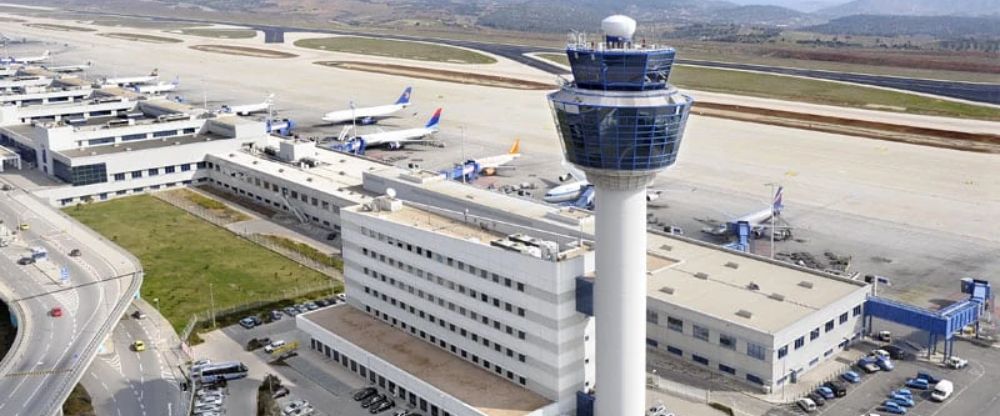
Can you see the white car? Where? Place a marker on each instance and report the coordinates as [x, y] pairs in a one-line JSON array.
[[880, 353], [658, 410], [208, 401], [274, 345], [957, 362], [294, 406]]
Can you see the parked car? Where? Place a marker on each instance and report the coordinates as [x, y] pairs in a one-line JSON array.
[[138, 346], [302, 308], [75, 252], [931, 379], [884, 336], [291, 311], [851, 377], [957, 362], [322, 303], [896, 353], [816, 398], [364, 393], [879, 353], [658, 410], [868, 365], [311, 306], [247, 322], [381, 407], [293, 406], [342, 297], [826, 392], [885, 363], [24, 261], [280, 392], [892, 407], [806, 405], [209, 401], [903, 391], [138, 314], [275, 315], [274, 345], [942, 390], [56, 312], [917, 383], [902, 399], [373, 400], [839, 389]]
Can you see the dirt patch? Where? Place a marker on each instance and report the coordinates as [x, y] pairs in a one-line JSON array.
[[140, 38], [61, 28], [441, 75], [983, 143], [244, 51]]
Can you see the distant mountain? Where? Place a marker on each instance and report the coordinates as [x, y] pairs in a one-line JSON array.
[[762, 15], [807, 6], [915, 8], [943, 27]]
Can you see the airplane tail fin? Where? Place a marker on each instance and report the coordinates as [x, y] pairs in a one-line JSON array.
[[405, 97], [47, 53], [777, 205], [515, 148], [270, 99], [435, 120], [177, 80], [155, 73]]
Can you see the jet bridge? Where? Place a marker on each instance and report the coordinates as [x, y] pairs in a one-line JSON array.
[[940, 325]]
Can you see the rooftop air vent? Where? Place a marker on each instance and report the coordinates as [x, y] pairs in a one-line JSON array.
[[743, 313], [701, 275], [667, 289], [753, 286], [732, 265], [281, 170], [666, 247], [805, 284], [778, 297], [309, 179]]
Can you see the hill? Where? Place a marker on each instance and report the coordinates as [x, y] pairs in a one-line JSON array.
[[941, 27], [915, 8], [762, 15]]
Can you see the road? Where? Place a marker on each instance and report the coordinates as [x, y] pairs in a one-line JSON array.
[[126, 382], [971, 91], [51, 354]]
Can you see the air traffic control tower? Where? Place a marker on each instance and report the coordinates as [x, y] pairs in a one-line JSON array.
[[621, 123]]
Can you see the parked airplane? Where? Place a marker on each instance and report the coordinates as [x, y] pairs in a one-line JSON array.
[[25, 60], [485, 166], [247, 109], [69, 68], [579, 192], [369, 115], [122, 81], [157, 88], [397, 139], [758, 220]]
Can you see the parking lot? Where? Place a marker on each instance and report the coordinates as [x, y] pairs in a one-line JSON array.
[[867, 396]]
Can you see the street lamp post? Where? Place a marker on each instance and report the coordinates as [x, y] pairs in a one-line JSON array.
[[211, 296]]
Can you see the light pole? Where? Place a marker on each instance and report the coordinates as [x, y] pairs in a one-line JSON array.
[[774, 213], [211, 297], [462, 172]]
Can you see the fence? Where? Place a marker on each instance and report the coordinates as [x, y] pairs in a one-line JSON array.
[[656, 382], [213, 217]]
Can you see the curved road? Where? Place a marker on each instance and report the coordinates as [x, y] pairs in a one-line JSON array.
[[51, 354]]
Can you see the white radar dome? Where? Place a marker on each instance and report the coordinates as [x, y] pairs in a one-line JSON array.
[[619, 26]]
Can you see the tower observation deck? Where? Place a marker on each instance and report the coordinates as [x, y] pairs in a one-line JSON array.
[[621, 122]]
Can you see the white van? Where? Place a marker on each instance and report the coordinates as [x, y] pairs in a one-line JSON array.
[[806, 404], [942, 390]]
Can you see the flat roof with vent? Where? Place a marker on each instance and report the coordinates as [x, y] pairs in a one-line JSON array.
[[742, 289]]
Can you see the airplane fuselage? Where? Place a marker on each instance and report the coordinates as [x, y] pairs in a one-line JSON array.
[[344, 116]]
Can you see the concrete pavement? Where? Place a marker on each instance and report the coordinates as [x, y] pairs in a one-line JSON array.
[[50, 354]]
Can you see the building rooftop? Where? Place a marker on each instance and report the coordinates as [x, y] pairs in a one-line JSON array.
[[481, 389], [721, 283], [139, 145], [429, 221]]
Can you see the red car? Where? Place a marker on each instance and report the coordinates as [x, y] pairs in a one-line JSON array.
[[56, 312]]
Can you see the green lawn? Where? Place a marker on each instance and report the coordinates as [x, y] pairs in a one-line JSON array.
[[812, 91], [139, 23], [182, 255], [396, 49], [220, 33]]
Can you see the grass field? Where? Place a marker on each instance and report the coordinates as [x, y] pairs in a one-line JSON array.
[[396, 49], [306, 250], [220, 33], [139, 23], [812, 91], [63, 28], [140, 38], [182, 255]]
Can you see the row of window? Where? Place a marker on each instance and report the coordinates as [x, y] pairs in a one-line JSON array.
[[705, 361], [274, 187], [133, 137], [136, 174], [375, 378], [703, 333], [438, 280], [454, 349], [420, 251], [427, 316], [815, 333], [122, 192], [276, 204]]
